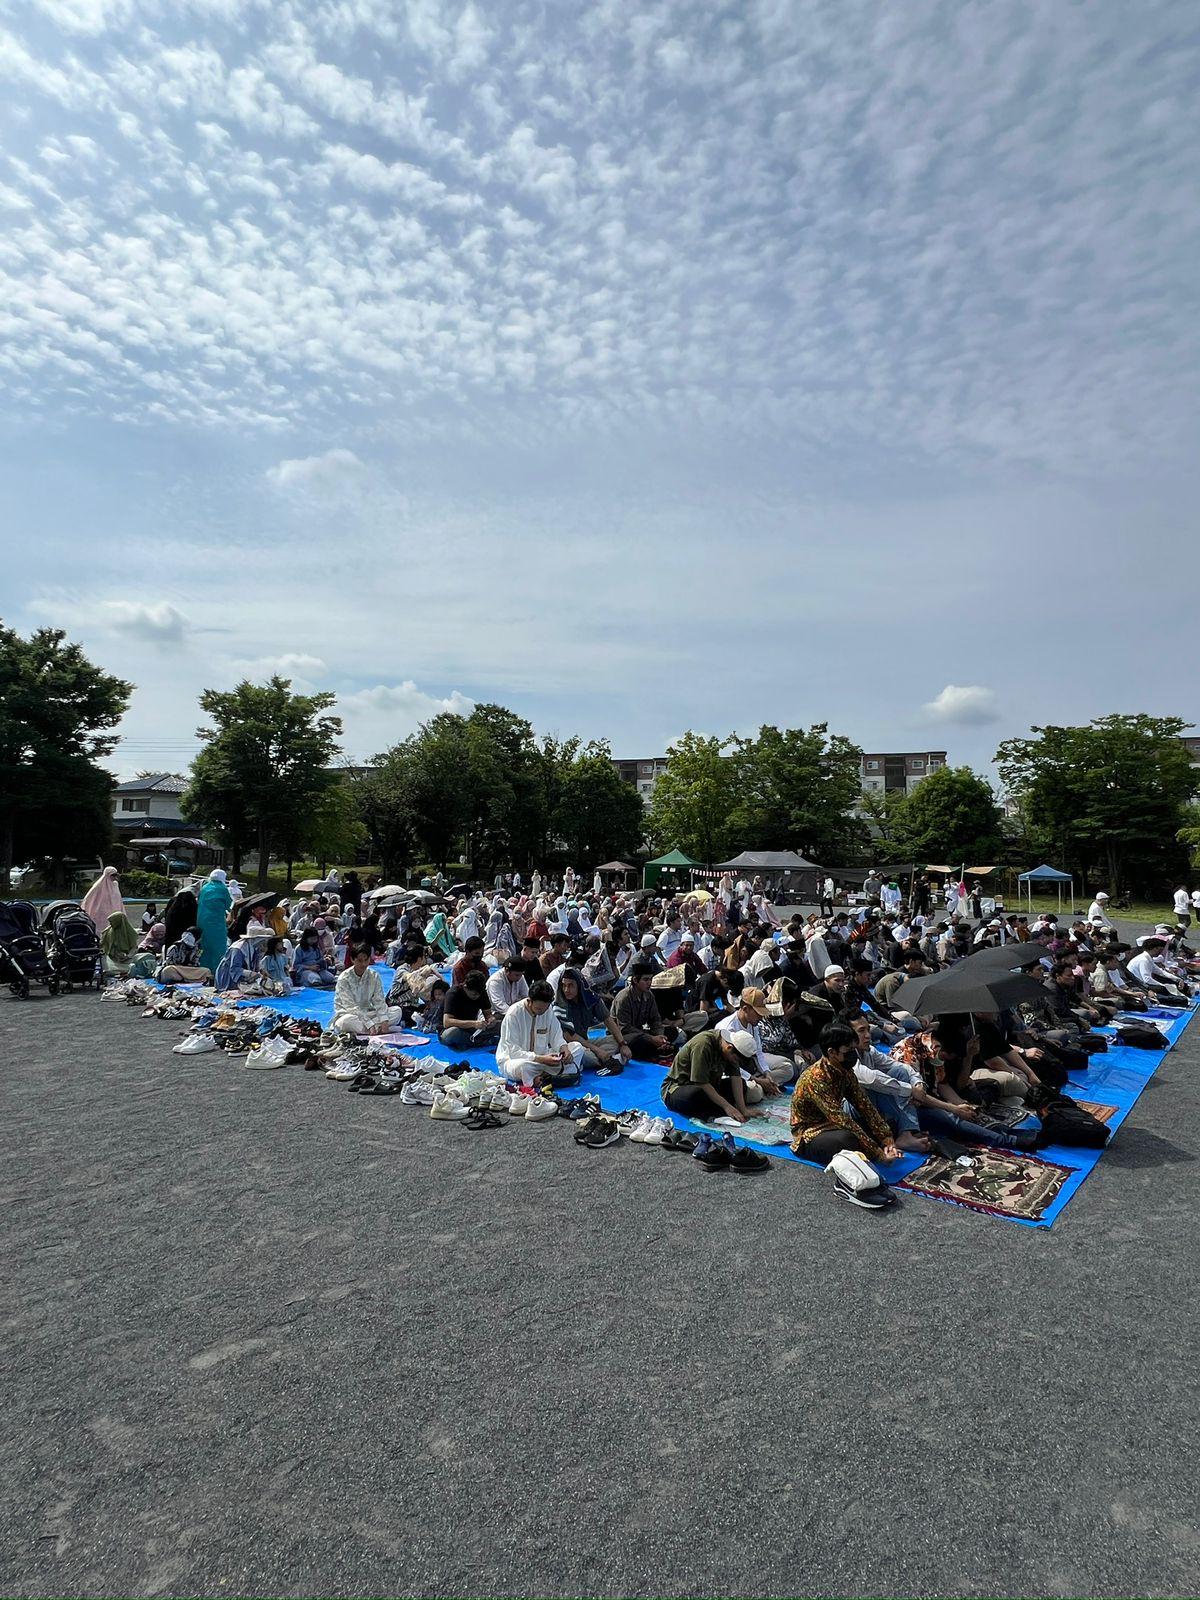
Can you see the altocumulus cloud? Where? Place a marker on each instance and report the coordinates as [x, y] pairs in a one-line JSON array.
[[970, 705]]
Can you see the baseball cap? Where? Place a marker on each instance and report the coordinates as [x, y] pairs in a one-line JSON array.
[[743, 1042], [756, 1000]]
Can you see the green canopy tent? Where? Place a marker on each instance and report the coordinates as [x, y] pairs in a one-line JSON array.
[[674, 869]]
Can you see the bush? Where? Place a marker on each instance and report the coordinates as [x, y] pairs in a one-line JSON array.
[[137, 885]]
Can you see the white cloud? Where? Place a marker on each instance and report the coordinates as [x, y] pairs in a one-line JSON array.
[[156, 623], [971, 706], [379, 716], [321, 472], [305, 671]]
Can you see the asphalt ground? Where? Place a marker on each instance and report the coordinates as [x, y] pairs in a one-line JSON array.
[[264, 1337]]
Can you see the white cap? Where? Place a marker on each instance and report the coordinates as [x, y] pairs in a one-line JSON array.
[[743, 1042], [648, 941], [1100, 895], [835, 972]]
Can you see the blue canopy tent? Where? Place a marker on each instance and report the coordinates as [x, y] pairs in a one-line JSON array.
[[1045, 874]]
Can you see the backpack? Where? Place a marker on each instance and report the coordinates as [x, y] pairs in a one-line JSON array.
[[1142, 1038], [1064, 1122]]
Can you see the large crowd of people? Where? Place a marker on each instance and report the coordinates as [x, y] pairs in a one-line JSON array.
[[737, 1006]]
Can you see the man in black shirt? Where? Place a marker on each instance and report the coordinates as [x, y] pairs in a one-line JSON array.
[[468, 1021]]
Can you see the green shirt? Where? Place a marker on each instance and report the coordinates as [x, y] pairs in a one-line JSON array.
[[701, 1060]]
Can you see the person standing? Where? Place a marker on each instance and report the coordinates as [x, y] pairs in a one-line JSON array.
[[212, 910], [827, 897], [1183, 907]]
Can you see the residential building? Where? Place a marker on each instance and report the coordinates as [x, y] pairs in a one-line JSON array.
[[899, 771], [151, 805], [643, 773], [1192, 745]]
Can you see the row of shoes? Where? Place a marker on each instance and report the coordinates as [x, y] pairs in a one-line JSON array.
[[595, 1130]]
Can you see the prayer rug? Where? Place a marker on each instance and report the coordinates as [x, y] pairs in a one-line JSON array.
[[772, 1125], [1020, 1187], [1101, 1113]]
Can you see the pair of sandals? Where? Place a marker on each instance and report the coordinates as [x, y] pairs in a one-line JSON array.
[[480, 1121]]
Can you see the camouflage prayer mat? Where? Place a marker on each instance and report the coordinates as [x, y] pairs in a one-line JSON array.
[[1001, 1185]]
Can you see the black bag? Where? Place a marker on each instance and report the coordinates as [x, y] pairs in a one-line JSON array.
[[1064, 1122], [1142, 1038], [1094, 1044]]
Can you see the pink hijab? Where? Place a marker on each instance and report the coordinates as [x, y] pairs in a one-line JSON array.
[[103, 898]]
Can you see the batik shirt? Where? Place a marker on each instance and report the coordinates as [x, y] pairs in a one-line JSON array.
[[819, 1103]]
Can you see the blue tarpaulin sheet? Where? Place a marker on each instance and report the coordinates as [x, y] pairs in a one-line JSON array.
[[1114, 1079]]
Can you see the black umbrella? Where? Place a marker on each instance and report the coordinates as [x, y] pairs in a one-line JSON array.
[[967, 986], [240, 914], [425, 897], [1004, 957]]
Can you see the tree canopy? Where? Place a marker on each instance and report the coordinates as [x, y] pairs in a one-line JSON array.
[[951, 816], [1107, 799], [57, 713], [264, 773], [693, 801]]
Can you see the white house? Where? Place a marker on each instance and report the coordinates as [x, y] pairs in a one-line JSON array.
[[151, 805]]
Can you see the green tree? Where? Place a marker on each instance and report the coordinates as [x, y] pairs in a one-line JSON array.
[[265, 765], [1108, 798], [440, 784], [952, 816], [796, 790], [599, 815], [878, 810], [694, 798], [57, 713], [383, 797], [329, 831]]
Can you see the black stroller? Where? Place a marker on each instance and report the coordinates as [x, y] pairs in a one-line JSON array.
[[23, 958], [72, 943]]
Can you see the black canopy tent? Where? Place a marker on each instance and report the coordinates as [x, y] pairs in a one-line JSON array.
[[800, 878]]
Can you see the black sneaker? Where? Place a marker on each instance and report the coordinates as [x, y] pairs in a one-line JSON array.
[[604, 1131], [747, 1162], [877, 1199]]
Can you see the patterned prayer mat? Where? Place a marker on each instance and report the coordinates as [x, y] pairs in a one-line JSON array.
[[1000, 1185], [772, 1126], [1101, 1113]]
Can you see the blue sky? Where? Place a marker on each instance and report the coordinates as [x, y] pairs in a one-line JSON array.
[[641, 366]]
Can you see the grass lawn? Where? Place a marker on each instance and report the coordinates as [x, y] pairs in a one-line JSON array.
[[1139, 911]]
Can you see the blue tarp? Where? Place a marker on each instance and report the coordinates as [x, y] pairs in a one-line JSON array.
[[1114, 1079]]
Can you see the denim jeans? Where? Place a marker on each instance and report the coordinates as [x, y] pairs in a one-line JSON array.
[[939, 1121]]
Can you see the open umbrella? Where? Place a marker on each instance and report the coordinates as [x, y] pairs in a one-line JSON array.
[[425, 897], [1006, 957], [966, 986], [309, 886], [384, 892], [252, 902]]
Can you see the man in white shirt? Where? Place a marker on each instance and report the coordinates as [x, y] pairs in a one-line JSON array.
[[358, 1000], [1146, 968], [768, 1072], [1098, 916], [507, 985], [1183, 907], [531, 1038], [668, 939]]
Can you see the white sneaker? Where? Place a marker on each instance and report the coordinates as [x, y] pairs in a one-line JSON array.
[[655, 1133], [446, 1108], [540, 1108], [194, 1045], [341, 1074], [518, 1104], [418, 1093], [637, 1134], [264, 1060]]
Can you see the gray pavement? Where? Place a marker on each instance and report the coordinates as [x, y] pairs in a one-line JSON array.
[[262, 1337]]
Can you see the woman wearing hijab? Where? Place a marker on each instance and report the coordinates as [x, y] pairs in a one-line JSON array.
[[467, 926], [103, 898], [154, 938], [439, 937], [498, 941], [212, 910], [242, 958], [118, 944], [179, 915]]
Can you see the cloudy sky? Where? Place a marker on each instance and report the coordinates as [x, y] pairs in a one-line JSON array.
[[639, 364]]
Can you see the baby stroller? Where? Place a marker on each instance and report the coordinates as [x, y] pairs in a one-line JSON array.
[[23, 958], [72, 945]]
